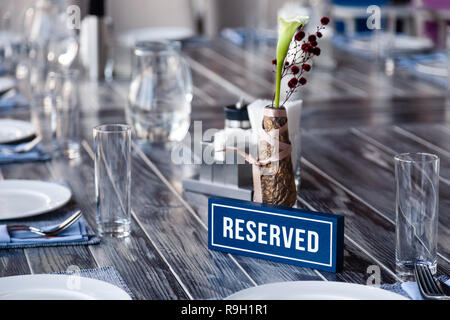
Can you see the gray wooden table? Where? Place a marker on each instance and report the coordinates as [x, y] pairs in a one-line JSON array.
[[352, 127]]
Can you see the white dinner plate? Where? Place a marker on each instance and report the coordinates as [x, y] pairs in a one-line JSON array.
[[14, 130], [25, 198], [314, 290], [129, 38], [58, 287]]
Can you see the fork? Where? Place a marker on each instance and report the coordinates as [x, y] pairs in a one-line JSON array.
[[22, 148], [52, 232], [429, 287]]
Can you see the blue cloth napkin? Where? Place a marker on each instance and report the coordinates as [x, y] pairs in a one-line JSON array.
[[436, 59], [78, 234], [36, 154], [108, 274], [409, 289], [359, 44], [242, 36], [9, 102], [194, 41], [344, 43]]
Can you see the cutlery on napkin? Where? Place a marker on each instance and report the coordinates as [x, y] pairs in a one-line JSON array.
[[11, 153], [77, 232], [412, 289]]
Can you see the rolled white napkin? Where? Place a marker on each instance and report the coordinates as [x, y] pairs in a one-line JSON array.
[[294, 109]]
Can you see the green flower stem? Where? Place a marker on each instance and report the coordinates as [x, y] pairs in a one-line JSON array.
[[285, 34]]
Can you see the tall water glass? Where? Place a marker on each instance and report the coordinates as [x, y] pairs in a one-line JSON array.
[[112, 145], [38, 68], [67, 136], [417, 207], [43, 118]]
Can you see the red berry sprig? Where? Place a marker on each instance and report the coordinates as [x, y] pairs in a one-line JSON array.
[[324, 21], [300, 52]]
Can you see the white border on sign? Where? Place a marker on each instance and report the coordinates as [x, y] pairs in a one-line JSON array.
[[270, 254]]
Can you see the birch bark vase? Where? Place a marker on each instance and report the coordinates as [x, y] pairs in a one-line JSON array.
[[276, 178]]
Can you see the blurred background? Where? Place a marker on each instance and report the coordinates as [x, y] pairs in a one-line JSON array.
[[223, 41], [422, 24]]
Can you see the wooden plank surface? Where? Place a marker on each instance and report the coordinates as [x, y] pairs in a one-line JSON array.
[[178, 237], [361, 167], [135, 257]]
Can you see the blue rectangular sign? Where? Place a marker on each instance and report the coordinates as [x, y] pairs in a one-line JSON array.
[[301, 237]]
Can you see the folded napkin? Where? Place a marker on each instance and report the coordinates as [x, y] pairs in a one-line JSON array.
[[194, 41], [108, 274], [430, 67], [409, 289], [78, 234], [38, 153], [8, 101], [242, 36], [364, 44], [345, 43]]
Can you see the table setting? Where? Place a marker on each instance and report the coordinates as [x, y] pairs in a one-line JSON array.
[[16, 145], [238, 166], [23, 203]]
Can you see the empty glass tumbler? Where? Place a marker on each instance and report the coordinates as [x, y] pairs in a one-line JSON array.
[[112, 146], [417, 207], [160, 93], [67, 114], [43, 108], [55, 113]]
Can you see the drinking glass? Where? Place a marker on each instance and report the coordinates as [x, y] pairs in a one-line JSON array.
[[43, 105], [45, 24], [9, 39], [67, 113], [160, 93], [43, 118], [417, 203], [112, 145], [38, 69]]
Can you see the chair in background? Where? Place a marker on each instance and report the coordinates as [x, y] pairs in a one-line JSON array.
[[434, 19]]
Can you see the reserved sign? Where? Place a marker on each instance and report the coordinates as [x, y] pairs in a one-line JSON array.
[[301, 237]]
